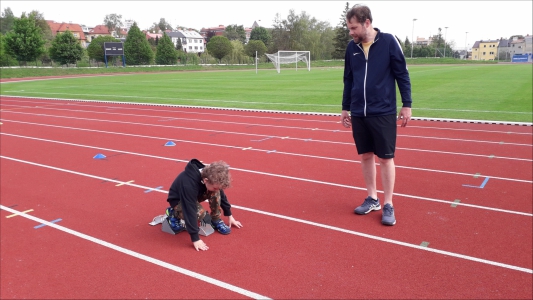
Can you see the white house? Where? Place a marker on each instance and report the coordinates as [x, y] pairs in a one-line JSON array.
[[191, 41]]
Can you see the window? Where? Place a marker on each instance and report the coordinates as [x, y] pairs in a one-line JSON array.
[[190, 47], [484, 53], [195, 47], [491, 53], [484, 46]]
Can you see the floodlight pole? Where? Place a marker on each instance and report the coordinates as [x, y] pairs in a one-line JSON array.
[[466, 49], [445, 33], [412, 38]]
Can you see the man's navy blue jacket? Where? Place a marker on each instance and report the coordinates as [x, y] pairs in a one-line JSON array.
[[369, 84]]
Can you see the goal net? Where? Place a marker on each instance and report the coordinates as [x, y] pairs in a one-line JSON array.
[[290, 57]]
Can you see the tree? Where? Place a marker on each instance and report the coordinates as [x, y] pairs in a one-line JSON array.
[[136, 47], [164, 25], [113, 22], [261, 34], [342, 35], [6, 20], [518, 36], [96, 48], [406, 47], [219, 46], [209, 35], [166, 54], [66, 49], [253, 46], [25, 42], [237, 55], [5, 59], [302, 33], [280, 35], [234, 32], [40, 22], [179, 45]]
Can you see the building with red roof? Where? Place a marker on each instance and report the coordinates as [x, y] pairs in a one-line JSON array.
[[76, 30]]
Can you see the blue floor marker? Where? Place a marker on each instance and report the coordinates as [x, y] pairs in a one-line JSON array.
[[42, 225], [157, 188], [170, 143], [478, 187], [99, 156]]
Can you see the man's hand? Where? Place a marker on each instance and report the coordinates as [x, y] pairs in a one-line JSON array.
[[232, 221], [200, 245], [405, 115], [346, 120]]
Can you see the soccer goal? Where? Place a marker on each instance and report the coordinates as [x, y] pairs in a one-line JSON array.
[[290, 57]]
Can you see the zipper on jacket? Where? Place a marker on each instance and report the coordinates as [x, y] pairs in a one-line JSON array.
[[366, 69]]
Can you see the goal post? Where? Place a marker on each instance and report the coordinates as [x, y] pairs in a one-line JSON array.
[[290, 57]]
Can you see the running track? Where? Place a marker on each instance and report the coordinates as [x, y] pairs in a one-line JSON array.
[[463, 200]]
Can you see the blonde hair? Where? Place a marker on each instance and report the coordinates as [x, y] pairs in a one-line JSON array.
[[217, 173]]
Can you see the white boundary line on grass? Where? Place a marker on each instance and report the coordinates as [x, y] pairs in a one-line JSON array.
[[391, 241], [140, 256], [275, 111]]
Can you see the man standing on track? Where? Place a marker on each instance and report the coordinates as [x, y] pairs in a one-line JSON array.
[[369, 103]]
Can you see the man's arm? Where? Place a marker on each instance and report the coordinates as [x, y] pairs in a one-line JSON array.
[[348, 81], [401, 73]]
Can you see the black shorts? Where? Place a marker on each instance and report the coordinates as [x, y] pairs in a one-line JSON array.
[[375, 134]]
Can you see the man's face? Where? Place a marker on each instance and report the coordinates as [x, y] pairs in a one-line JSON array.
[[211, 187], [358, 31]]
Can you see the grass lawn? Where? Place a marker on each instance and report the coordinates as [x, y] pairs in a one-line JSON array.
[[499, 92]]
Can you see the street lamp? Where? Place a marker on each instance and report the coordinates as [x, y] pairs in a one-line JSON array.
[[445, 33], [466, 49], [412, 37]]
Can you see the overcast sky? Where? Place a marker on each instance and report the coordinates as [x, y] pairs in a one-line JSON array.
[[482, 20]]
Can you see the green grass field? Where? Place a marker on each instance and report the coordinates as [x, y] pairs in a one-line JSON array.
[[499, 92]]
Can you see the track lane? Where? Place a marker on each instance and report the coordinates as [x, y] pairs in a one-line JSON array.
[[309, 276], [310, 197]]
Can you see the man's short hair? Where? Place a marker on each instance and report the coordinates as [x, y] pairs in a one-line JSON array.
[[361, 13], [217, 173]]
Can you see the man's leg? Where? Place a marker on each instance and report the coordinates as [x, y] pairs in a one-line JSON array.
[[388, 175], [369, 173], [368, 165]]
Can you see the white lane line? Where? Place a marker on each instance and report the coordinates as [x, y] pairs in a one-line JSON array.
[[247, 134], [263, 150], [181, 99], [140, 256], [270, 126], [292, 178], [471, 258], [123, 106], [177, 111], [267, 110]]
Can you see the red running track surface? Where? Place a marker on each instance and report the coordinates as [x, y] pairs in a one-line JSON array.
[[297, 179]]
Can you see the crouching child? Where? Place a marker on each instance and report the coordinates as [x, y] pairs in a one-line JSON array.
[[195, 184]]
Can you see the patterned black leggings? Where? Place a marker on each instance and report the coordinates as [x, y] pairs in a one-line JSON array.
[[214, 206]]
